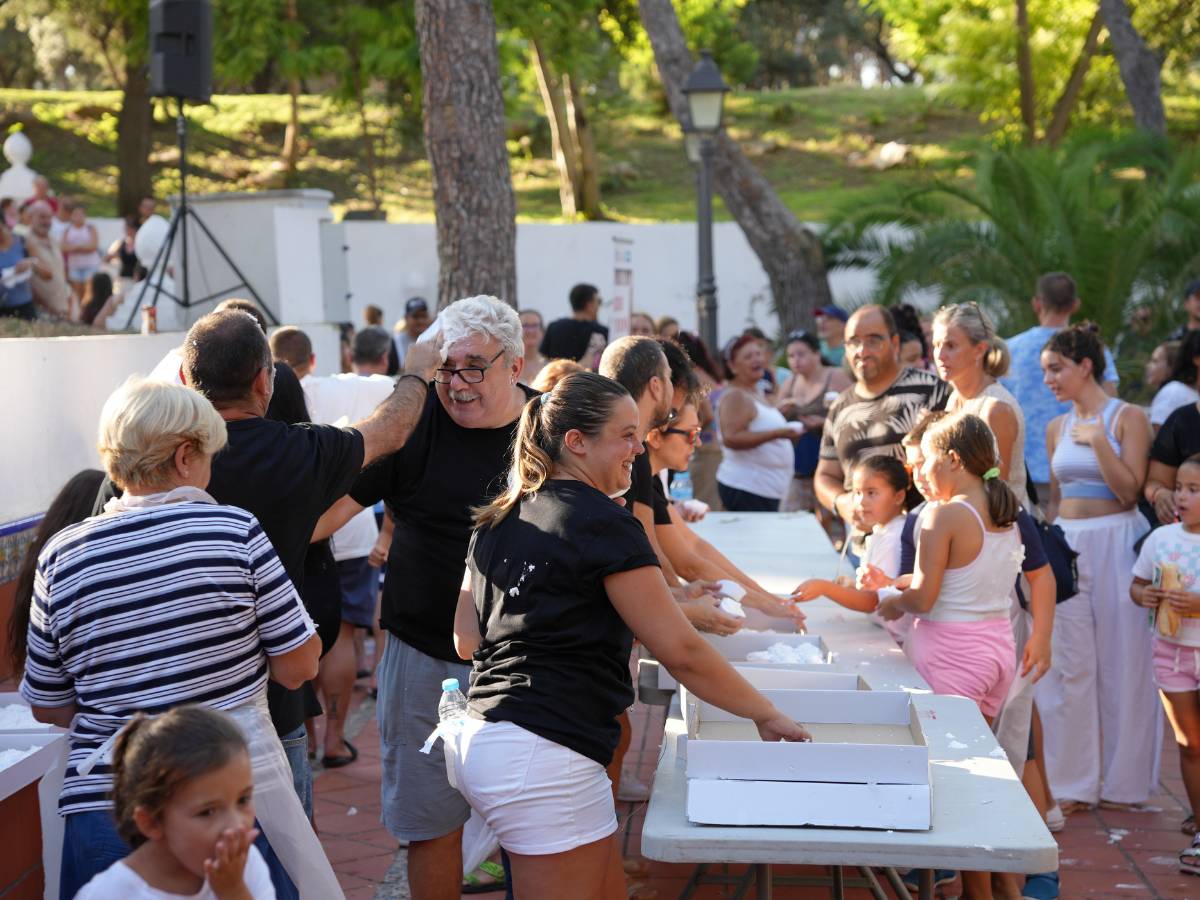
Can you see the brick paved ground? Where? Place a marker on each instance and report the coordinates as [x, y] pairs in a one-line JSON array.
[[1104, 854]]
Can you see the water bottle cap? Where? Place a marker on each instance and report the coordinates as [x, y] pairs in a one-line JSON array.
[[450, 684]]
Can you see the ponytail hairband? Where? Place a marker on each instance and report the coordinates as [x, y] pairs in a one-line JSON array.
[[991, 473]]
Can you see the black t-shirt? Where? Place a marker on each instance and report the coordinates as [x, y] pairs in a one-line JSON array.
[[430, 485], [662, 506], [555, 653], [641, 489], [287, 475], [568, 338], [1178, 438]]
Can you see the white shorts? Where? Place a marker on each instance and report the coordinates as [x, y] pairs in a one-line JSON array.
[[537, 796]]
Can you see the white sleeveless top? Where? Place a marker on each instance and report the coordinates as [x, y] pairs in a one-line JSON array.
[[767, 469], [982, 588], [1016, 469]]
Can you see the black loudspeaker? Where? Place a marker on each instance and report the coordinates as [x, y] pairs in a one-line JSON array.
[[181, 49]]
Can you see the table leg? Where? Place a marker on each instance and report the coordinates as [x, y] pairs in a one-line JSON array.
[[897, 883], [762, 881], [838, 883], [872, 883], [926, 891]]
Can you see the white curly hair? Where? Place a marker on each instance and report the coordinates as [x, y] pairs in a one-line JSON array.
[[484, 315]]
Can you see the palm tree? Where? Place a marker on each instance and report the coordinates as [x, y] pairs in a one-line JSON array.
[[1121, 217]]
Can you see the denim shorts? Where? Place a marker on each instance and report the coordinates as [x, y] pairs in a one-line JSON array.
[[295, 747]]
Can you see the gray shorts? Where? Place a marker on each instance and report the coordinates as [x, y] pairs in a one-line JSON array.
[[418, 802]]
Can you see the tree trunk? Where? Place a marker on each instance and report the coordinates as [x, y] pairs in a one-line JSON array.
[[561, 143], [1025, 73], [291, 135], [589, 166], [133, 140], [1140, 68], [364, 128], [789, 252], [1061, 117], [464, 140]]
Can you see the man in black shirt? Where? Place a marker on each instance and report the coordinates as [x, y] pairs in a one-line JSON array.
[[456, 459], [571, 338], [286, 475]]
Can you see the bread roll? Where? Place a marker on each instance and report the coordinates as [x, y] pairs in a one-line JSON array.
[[1167, 618]]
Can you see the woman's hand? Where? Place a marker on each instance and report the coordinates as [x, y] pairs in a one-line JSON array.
[[705, 616], [772, 606], [1036, 657], [1164, 505], [810, 590], [812, 423], [778, 727], [1087, 432], [789, 434], [227, 866], [378, 556], [695, 590]]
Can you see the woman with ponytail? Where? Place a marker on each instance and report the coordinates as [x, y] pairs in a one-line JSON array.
[[562, 579], [1102, 726], [969, 554], [971, 357]]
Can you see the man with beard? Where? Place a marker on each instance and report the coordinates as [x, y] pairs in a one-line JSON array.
[[872, 416]]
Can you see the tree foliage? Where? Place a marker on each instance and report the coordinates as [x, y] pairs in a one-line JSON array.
[[1122, 218]]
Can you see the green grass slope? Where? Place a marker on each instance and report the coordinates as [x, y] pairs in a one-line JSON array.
[[816, 146]]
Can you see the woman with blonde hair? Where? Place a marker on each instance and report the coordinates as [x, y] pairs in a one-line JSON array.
[[971, 357], [562, 579], [167, 598]]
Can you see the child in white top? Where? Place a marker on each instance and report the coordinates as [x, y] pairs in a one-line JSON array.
[[1166, 579], [880, 484], [183, 797]]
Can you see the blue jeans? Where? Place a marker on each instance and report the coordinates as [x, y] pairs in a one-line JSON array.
[[91, 844], [295, 746]]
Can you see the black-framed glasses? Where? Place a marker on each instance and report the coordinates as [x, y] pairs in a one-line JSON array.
[[692, 434], [469, 374]]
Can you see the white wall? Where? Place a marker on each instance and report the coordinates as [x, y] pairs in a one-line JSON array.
[[387, 263], [55, 388]]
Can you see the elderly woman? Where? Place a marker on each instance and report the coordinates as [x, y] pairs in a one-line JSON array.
[[562, 579], [759, 444], [165, 599]]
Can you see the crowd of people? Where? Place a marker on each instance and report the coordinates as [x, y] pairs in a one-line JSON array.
[[52, 265], [993, 497]]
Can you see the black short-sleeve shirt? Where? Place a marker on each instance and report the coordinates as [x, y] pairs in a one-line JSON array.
[[1178, 438], [642, 488], [430, 486], [555, 653], [662, 506], [569, 338]]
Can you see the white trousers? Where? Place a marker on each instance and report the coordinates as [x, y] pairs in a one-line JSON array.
[[1098, 703]]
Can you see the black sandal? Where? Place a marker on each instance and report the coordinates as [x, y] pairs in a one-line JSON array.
[[336, 762], [1188, 826]]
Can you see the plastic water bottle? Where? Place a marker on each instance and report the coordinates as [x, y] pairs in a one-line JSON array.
[[452, 708], [681, 487]]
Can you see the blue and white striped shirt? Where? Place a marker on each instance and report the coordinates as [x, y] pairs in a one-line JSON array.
[[149, 608]]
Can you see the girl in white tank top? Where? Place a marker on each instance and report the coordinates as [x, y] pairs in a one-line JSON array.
[[969, 553]]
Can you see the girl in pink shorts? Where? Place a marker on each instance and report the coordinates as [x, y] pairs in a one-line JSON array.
[[968, 555], [1166, 579]]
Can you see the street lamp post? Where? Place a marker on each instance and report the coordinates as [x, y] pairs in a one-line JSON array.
[[705, 90]]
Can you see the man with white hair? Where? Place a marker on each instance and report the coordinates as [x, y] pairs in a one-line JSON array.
[[455, 459], [50, 288]]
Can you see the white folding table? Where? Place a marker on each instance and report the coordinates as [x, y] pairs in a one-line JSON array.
[[982, 818]]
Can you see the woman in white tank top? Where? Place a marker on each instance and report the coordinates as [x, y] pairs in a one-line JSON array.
[[759, 458], [971, 356]]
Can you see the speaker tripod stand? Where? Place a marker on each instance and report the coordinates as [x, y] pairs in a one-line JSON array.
[[178, 228]]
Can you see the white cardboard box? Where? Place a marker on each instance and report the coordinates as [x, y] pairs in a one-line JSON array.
[[868, 766], [735, 648]]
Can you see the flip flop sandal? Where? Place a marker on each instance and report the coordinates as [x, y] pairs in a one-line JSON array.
[[493, 879], [336, 762], [1188, 825], [1189, 859]]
